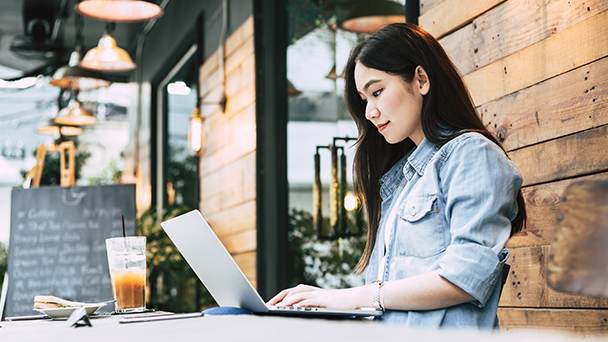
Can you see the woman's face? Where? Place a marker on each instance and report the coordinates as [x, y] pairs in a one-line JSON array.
[[392, 105]]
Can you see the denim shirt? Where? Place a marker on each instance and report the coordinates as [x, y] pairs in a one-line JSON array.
[[455, 217]]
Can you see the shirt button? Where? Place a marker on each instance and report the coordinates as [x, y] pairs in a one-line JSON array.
[[413, 211]]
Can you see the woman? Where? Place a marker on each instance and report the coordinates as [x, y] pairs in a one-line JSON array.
[[441, 195]]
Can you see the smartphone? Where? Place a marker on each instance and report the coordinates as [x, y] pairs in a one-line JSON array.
[[162, 317]]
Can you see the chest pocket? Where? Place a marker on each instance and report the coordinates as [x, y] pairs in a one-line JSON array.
[[420, 230]]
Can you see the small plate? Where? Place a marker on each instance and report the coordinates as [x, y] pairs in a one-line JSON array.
[[66, 312]]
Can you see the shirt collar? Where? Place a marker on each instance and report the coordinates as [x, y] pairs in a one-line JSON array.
[[421, 157]]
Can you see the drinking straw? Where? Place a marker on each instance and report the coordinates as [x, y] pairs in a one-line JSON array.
[[124, 234]]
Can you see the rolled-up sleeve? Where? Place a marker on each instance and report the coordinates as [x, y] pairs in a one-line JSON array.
[[480, 185]]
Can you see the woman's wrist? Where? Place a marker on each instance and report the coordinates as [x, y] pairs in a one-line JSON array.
[[382, 288]]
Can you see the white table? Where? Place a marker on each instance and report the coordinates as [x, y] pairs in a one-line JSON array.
[[252, 328]]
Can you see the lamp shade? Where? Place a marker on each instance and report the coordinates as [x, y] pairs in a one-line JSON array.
[[107, 57], [119, 11], [53, 128], [74, 115], [372, 15], [73, 77]]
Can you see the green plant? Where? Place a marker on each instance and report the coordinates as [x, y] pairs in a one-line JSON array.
[[173, 285], [323, 263], [109, 175], [3, 262]]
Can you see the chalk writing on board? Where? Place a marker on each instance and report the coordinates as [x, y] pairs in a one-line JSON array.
[[57, 243]]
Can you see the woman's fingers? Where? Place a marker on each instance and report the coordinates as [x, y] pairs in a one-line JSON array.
[[279, 297], [287, 293]]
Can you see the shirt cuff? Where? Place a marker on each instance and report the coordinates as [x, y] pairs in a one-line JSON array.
[[473, 268]]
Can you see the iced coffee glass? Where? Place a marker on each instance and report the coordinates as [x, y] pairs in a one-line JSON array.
[[127, 261]]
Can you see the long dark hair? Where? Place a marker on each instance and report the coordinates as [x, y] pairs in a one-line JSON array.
[[398, 49]]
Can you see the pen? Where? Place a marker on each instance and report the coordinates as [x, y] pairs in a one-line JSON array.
[[24, 318]]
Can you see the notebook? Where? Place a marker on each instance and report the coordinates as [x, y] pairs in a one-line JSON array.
[[225, 281]]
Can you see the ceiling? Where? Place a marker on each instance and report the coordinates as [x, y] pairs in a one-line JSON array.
[[28, 46]]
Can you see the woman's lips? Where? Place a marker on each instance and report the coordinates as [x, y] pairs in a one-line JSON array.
[[381, 127]]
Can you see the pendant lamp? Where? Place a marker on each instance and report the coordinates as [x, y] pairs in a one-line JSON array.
[[119, 11], [53, 128], [332, 74], [74, 115], [196, 136], [73, 77], [107, 57], [370, 16]]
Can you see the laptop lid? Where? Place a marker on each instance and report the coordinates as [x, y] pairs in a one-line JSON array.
[[223, 278]]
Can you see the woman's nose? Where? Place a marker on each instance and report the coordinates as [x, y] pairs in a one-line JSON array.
[[371, 112]]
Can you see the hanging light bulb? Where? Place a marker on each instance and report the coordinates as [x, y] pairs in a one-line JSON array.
[[119, 11], [372, 15], [196, 138], [107, 57], [74, 115]]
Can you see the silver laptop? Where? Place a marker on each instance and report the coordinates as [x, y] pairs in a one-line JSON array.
[[223, 278]]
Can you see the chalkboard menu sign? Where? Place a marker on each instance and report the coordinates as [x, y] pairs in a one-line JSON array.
[[57, 243]]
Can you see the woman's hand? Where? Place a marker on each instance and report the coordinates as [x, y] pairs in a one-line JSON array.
[[304, 295]]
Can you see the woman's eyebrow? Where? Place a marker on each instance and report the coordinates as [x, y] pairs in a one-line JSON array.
[[369, 83]]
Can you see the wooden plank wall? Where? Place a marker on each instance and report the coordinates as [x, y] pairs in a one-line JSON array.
[[537, 70], [228, 190]]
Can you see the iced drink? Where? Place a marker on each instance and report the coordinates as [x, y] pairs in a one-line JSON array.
[[127, 261]]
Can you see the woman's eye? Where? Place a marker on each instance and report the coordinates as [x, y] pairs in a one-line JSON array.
[[377, 93], [364, 102]]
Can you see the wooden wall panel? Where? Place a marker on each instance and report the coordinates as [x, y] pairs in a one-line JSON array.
[[548, 58], [426, 5], [233, 220], [585, 323], [514, 25], [230, 186], [526, 285], [570, 156], [227, 168], [450, 15], [241, 242], [537, 70], [247, 263], [566, 104], [229, 138], [542, 204]]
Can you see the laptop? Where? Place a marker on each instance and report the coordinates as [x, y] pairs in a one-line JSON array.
[[225, 281]]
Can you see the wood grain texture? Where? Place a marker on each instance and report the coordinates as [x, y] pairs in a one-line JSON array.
[[426, 5], [514, 25], [247, 262], [582, 322], [233, 65], [227, 168], [238, 38], [229, 138], [542, 206], [569, 103], [459, 45], [578, 45], [570, 156], [244, 241], [232, 220], [527, 287], [578, 262], [230, 186], [450, 15]]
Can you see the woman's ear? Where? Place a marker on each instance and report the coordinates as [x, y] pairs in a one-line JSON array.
[[421, 76]]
